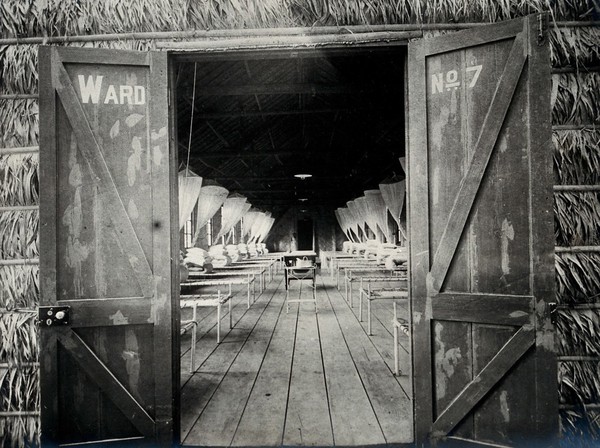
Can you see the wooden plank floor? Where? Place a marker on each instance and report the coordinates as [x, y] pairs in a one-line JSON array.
[[296, 378]]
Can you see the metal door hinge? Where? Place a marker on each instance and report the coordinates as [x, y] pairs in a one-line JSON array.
[[553, 311], [52, 316], [542, 28]]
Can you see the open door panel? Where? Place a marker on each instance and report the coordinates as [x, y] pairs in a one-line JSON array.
[[106, 313], [481, 233]]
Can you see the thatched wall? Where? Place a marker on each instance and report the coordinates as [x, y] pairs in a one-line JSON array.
[[576, 136]]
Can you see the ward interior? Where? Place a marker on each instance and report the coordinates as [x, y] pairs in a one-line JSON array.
[[293, 159]]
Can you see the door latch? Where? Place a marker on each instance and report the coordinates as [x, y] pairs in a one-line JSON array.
[[553, 310], [52, 316]]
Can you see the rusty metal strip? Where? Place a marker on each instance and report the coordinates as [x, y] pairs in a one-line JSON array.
[[489, 376], [105, 379], [88, 144], [482, 153]]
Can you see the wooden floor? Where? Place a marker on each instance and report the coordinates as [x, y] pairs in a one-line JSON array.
[[296, 378]]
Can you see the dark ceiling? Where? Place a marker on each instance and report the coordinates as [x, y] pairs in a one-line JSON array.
[[259, 119]]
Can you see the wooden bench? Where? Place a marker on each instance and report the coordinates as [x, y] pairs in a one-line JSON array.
[[378, 294], [194, 301]]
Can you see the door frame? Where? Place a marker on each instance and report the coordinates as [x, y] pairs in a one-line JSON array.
[[289, 51]]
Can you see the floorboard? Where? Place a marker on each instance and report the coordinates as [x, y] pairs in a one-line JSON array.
[[200, 388], [296, 378], [263, 420], [307, 418], [391, 404], [218, 421], [345, 388]]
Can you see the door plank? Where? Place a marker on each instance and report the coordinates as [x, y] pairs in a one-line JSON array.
[[455, 41], [512, 351], [481, 155], [87, 142], [109, 312], [48, 259], [483, 308], [104, 378], [542, 220]]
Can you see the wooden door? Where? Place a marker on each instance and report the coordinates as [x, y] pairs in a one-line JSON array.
[[106, 243], [481, 235]]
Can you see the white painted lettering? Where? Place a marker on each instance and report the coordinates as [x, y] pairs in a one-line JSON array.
[[126, 93], [477, 70], [437, 83], [90, 89], [111, 95], [139, 96], [452, 80]]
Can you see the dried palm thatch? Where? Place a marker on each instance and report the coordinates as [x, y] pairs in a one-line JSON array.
[[576, 156], [577, 159], [576, 97], [576, 218], [575, 46], [577, 277], [19, 180], [19, 287], [19, 390], [19, 123], [19, 234]]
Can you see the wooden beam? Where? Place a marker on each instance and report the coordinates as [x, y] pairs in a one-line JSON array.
[[295, 89], [278, 41], [19, 96], [309, 31], [20, 150], [261, 113], [576, 188], [218, 134]]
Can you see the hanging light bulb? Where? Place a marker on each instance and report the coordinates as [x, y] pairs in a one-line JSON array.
[[303, 176]]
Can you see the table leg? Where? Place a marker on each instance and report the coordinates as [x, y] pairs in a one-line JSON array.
[[350, 292], [360, 302], [396, 366], [218, 323], [369, 315]]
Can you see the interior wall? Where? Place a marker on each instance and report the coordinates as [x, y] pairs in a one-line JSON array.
[[284, 237]]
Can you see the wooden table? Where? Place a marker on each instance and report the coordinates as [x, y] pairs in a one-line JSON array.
[[295, 273], [289, 259]]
